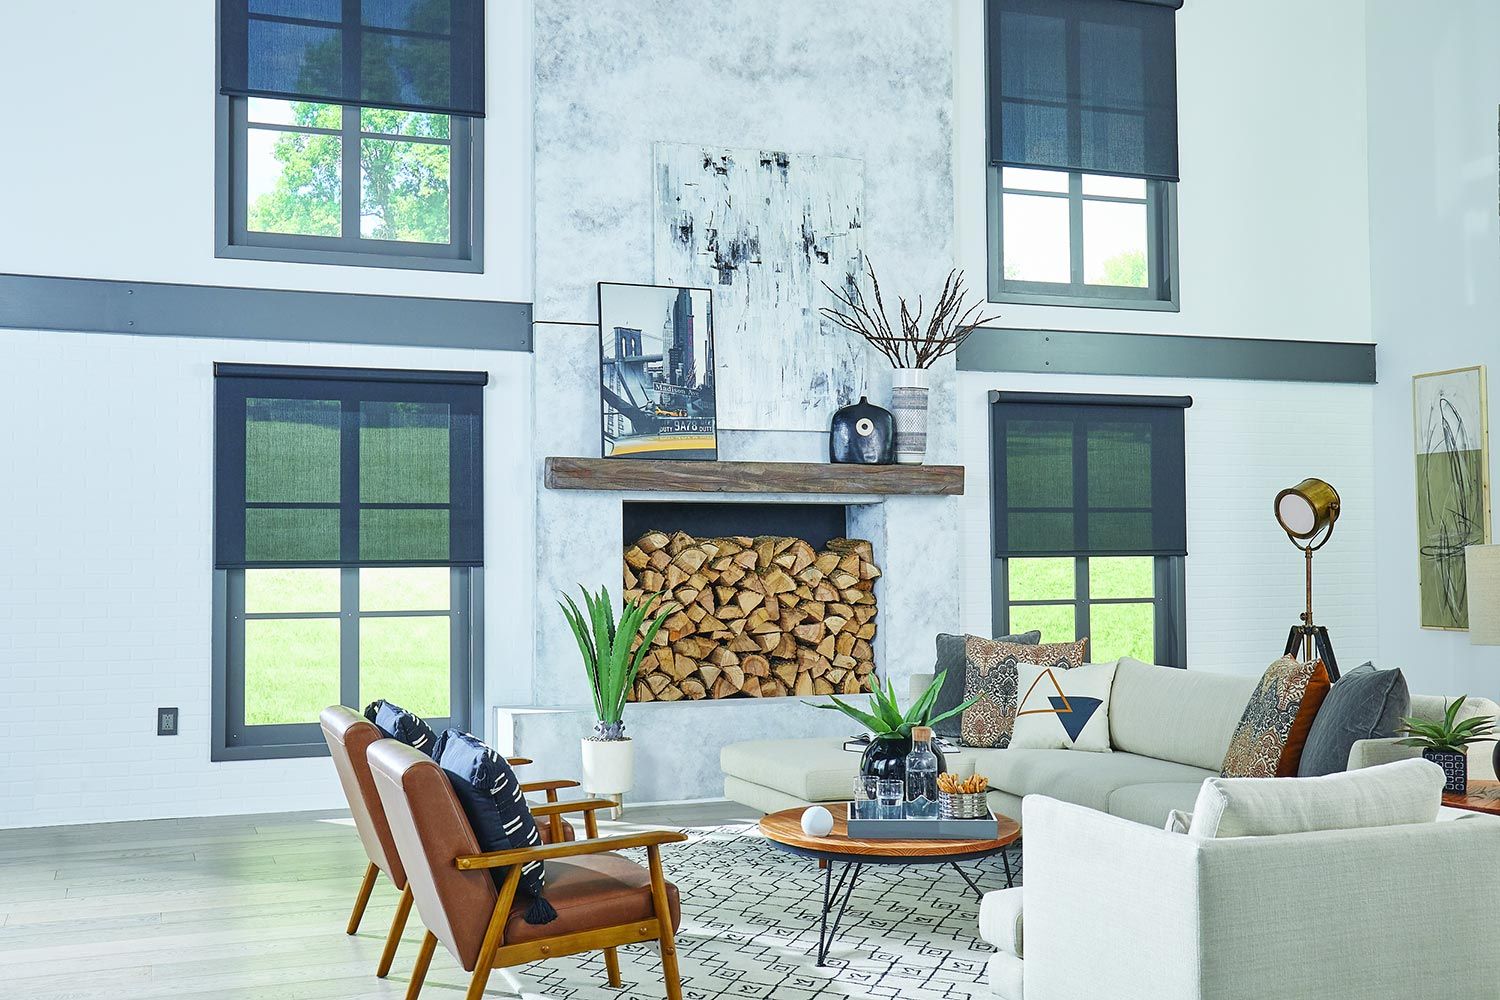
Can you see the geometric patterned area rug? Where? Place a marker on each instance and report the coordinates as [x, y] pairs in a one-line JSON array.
[[750, 931]]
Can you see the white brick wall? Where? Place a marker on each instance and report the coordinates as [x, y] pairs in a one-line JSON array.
[[1245, 441], [106, 520]]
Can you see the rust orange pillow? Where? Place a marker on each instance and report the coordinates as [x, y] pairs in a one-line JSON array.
[[1269, 739]]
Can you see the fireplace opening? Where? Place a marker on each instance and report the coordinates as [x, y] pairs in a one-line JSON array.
[[770, 600], [814, 523]]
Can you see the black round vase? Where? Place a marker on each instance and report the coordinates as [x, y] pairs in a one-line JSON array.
[[862, 434], [885, 757]]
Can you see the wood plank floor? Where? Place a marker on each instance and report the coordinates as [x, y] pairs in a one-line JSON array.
[[241, 907]]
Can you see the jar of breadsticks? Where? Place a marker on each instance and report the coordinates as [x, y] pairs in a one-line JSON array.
[[963, 798]]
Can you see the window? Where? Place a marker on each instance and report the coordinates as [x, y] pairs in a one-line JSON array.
[[1089, 519], [348, 541], [1083, 152], [350, 132], [1095, 238]]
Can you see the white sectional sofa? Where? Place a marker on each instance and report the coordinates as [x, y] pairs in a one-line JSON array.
[[1116, 909], [1169, 729]]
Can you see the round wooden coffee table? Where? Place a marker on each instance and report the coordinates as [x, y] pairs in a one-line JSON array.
[[784, 829]]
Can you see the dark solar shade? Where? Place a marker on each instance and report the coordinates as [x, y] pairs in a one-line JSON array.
[[347, 467], [1086, 85], [1088, 475], [412, 55]]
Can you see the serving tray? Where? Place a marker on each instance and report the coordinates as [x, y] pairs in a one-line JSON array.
[[937, 828]]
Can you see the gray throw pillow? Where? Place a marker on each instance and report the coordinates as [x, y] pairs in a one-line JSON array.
[[1364, 704], [951, 658]]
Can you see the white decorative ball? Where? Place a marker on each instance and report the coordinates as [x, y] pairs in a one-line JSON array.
[[817, 822]]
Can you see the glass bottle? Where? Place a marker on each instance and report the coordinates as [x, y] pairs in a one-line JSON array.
[[921, 776]]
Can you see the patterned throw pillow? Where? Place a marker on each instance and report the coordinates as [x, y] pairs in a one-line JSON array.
[[1063, 709], [951, 657], [399, 724], [492, 799], [1269, 739], [990, 669]]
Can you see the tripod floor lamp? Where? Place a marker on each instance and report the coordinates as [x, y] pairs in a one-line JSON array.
[[1307, 513]]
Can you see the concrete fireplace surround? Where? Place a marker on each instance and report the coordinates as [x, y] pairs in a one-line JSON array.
[[880, 91], [678, 743]]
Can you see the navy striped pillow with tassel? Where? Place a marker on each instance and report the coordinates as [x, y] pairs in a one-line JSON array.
[[399, 724], [492, 799]]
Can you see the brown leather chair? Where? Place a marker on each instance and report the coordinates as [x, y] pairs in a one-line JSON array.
[[349, 735], [603, 900]]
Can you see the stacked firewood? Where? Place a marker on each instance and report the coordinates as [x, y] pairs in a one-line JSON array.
[[755, 617]]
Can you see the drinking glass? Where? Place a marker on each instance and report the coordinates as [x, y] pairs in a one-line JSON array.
[[866, 797], [892, 793]]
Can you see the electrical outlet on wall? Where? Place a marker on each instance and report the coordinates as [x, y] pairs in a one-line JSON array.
[[166, 722]]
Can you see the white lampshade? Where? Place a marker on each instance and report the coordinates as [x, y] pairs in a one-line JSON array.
[[1482, 567]]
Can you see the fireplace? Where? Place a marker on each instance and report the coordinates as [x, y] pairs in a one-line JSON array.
[[771, 599]]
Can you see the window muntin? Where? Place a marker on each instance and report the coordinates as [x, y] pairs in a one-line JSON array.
[[318, 182], [299, 639], [1059, 235], [1112, 600]]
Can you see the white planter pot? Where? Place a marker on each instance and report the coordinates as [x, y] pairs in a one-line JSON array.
[[909, 406], [608, 766]]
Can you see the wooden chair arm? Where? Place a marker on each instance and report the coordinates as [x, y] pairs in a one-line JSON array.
[[517, 761], [569, 849], [548, 786], [571, 806]]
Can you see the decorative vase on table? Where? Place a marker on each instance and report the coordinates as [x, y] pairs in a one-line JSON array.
[[885, 757], [909, 405], [1455, 765]]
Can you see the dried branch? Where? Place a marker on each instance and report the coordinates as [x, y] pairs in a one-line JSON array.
[[917, 345]]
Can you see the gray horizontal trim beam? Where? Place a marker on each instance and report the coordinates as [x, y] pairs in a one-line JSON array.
[[92, 305], [1083, 352]]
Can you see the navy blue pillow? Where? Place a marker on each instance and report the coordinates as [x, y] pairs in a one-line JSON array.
[[399, 724], [497, 810]]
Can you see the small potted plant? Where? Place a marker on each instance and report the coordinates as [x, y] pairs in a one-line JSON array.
[[1445, 742], [891, 728], [611, 657]]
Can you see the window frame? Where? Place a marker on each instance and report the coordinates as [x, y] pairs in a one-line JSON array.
[[1161, 292], [233, 239], [234, 740], [1168, 600]]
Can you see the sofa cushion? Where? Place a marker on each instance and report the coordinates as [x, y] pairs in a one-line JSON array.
[[951, 657], [813, 770], [1083, 778], [1408, 791], [1000, 924], [1366, 704], [1269, 739], [1153, 802], [1063, 709], [1186, 716], [990, 677]]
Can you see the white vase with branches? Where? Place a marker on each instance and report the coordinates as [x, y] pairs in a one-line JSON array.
[[912, 346]]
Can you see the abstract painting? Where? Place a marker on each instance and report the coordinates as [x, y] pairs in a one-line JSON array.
[[656, 372], [766, 230], [1453, 488]]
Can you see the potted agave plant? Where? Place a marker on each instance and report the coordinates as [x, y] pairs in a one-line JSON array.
[[1445, 742], [611, 657], [891, 728]]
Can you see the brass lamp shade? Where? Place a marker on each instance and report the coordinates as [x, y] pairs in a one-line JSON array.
[[1482, 568], [1307, 508]]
